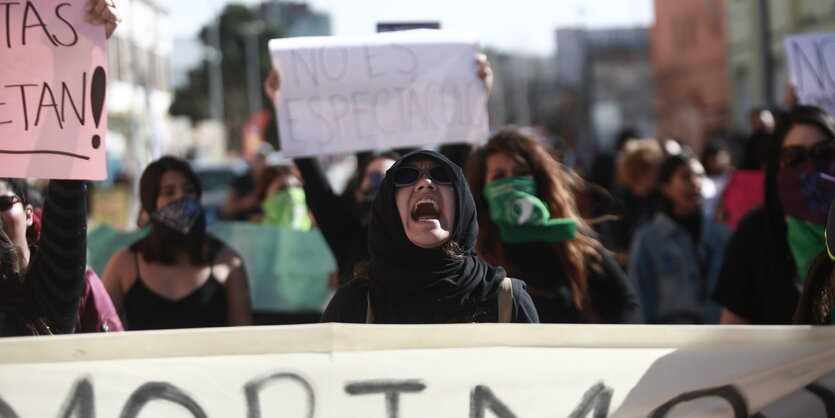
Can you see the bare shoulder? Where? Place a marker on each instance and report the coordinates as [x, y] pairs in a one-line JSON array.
[[228, 264], [122, 260]]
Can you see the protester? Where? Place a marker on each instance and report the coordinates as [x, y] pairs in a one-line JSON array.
[[242, 202], [95, 310], [636, 189], [530, 225], [422, 266], [676, 258], [818, 298], [774, 245], [760, 128], [178, 276], [283, 201]]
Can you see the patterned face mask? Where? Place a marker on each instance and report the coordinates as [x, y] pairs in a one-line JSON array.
[[179, 215], [520, 216]]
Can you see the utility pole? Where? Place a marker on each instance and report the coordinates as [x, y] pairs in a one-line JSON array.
[[765, 53], [250, 31]]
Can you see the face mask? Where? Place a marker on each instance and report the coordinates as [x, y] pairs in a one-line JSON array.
[[179, 215], [287, 208], [520, 216], [807, 192], [806, 240]]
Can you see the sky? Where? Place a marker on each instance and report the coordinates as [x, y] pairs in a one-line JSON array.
[[523, 26]]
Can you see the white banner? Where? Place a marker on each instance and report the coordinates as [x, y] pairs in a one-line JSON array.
[[812, 65], [465, 370], [387, 90]]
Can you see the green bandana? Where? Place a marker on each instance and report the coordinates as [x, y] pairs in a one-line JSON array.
[[520, 216], [806, 239], [287, 208]]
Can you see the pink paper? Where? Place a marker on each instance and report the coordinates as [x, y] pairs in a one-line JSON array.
[[53, 78]]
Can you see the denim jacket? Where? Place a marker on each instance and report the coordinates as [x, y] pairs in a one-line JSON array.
[[674, 276]]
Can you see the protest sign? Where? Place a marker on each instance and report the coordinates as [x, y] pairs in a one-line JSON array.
[[53, 79], [462, 370], [287, 269], [389, 90], [812, 66]]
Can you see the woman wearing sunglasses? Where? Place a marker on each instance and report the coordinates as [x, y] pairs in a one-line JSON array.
[[774, 245], [40, 291], [530, 225], [422, 266]]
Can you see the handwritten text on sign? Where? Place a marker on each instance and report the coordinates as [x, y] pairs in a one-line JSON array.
[[388, 90], [812, 63], [52, 89]]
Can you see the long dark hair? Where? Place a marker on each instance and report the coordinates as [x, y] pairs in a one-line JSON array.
[[818, 296], [554, 189], [15, 296], [780, 266], [667, 170], [163, 243]]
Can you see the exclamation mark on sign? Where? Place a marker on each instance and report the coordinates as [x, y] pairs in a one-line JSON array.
[[98, 88]]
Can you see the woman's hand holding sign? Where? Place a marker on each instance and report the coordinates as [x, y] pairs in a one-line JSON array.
[[103, 12]]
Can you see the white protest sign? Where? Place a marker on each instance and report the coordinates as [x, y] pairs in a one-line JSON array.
[[53, 79], [812, 66], [463, 370], [387, 90]]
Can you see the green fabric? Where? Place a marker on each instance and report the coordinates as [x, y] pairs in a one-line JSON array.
[[288, 269], [520, 216], [287, 208], [806, 239]]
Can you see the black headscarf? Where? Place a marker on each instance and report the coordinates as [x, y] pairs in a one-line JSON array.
[[429, 278]]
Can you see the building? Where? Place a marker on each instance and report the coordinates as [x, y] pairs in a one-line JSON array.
[[690, 70], [603, 85], [296, 19], [753, 82], [139, 90]]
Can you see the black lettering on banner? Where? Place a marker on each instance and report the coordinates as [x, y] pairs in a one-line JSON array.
[[254, 386], [3, 122], [825, 395], [379, 103], [74, 33], [482, 399], [358, 106], [369, 64], [314, 104], [6, 410], [800, 59], [597, 399], [8, 22], [23, 102], [51, 104], [309, 66], [324, 63], [164, 391], [411, 67], [391, 388], [287, 111], [65, 93], [80, 402], [26, 25], [728, 392], [340, 106], [452, 101]]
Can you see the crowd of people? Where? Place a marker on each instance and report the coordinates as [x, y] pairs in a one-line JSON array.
[[501, 231]]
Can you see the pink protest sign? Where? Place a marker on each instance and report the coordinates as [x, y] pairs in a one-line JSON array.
[[744, 191], [53, 77]]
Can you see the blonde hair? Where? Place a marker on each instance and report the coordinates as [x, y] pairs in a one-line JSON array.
[[639, 158]]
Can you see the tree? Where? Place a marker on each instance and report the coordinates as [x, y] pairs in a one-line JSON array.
[[192, 100]]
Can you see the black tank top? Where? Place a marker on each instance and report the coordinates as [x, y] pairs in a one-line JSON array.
[[205, 306]]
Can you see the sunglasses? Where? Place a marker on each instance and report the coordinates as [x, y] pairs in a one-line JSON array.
[[6, 202], [796, 156], [407, 176]]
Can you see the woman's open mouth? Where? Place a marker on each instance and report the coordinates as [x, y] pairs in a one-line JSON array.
[[426, 210]]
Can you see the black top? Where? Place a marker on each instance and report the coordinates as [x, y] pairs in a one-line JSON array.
[[205, 306], [337, 217], [350, 304], [746, 285], [612, 296], [692, 224], [243, 185], [56, 273]]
